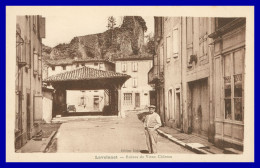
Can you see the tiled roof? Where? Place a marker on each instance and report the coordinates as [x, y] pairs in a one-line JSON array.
[[84, 73]]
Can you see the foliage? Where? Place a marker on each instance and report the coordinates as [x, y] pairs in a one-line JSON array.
[[111, 22], [150, 45]]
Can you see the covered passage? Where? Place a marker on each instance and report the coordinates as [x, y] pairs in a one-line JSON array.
[[86, 78]]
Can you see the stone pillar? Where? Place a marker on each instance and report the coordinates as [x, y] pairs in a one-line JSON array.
[[60, 101], [121, 112]]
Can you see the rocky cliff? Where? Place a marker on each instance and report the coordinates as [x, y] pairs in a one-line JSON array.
[[119, 42]]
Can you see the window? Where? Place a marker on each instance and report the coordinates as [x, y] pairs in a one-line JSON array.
[[27, 53], [20, 46], [134, 82], [35, 62], [64, 67], [82, 64], [203, 47], [34, 23], [127, 98], [189, 30], [168, 48], [189, 40], [161, 59], [40, 65], [95, 64], [233, 85], [124, 67], [134, 66], [175, 43], [53, 68], [77, 65]]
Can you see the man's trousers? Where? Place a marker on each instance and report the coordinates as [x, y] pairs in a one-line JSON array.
[[151, 140]]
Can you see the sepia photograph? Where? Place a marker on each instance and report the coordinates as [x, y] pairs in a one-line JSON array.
[[130, 86]]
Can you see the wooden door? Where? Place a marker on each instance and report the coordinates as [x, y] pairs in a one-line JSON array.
[[137, 99], [200, 107]]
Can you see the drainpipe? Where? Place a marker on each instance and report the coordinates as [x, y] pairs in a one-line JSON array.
[[181, 96], [31, 68]]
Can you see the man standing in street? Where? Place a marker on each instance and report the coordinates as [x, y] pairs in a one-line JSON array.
[[152, 122]]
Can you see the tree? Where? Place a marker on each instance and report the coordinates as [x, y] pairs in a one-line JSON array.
[[150, 45], [111, 22]]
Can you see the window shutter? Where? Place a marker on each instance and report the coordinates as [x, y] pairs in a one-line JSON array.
[[24, 52], [175, 42], [28, 49], [35, 62], [134, 82], [124, 69], [40, 65], [168, 48], [134, 66]]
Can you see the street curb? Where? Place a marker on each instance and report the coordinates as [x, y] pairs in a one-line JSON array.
[[178, 142], [48, 140]]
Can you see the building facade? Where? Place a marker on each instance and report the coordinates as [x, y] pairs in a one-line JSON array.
[[193, 99], [135, 93], [228, 61], [28, 84], [156, 73]]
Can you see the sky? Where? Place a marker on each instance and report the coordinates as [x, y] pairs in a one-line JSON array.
[[61, 28]]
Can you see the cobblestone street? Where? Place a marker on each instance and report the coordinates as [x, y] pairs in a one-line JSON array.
[[109, 135]]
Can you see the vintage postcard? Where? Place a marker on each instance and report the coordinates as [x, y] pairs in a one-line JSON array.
[[130, 84]]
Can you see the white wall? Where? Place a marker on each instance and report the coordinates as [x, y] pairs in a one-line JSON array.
[[142, 82], [47, 109], [74, 98]]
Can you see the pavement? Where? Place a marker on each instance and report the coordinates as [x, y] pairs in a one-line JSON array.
[[112, 134], [37, 146], [109, 135], [192, 142]]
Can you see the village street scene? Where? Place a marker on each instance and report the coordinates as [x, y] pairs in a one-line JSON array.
[[133, 84]]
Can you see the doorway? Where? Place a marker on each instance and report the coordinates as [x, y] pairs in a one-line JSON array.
[[200, 107], [137, 100], [178, 109], [28, 115], [171, 112], [153, 98], [96, 103]]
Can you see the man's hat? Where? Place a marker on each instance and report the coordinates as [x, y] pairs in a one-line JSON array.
[[152, 106]]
